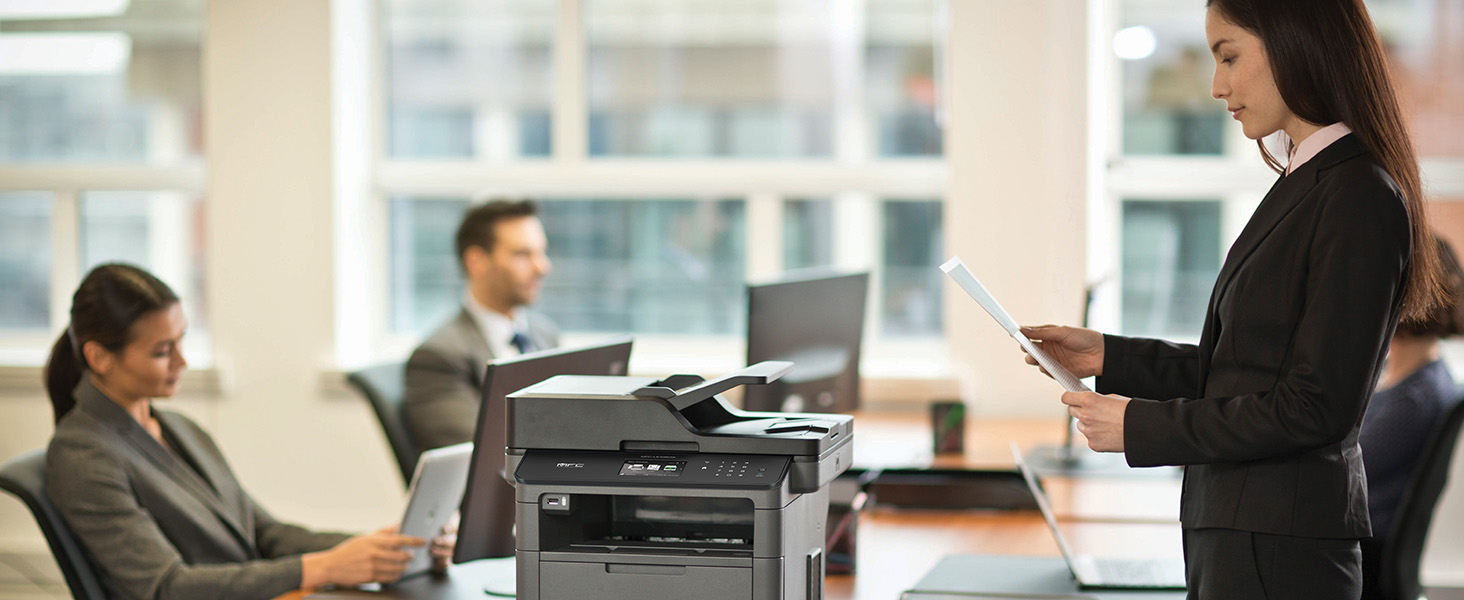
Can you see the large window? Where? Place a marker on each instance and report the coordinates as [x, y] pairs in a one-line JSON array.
[[101, 145], [678, 78], [1171, 256], [1183, 179], [468, 78], [679, 149], [25, 261], [661, 266]]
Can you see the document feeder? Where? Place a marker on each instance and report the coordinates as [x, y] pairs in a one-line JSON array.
[[632, 487]]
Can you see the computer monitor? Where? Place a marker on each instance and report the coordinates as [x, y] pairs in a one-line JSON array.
[[816, 321], [485, 525]]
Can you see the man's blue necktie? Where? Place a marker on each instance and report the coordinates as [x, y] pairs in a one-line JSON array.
[[522, 342]]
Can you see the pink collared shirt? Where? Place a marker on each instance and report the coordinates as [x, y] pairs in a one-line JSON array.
[[1315, 143]]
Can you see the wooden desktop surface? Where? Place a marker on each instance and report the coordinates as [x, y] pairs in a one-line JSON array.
[[1108, 516]]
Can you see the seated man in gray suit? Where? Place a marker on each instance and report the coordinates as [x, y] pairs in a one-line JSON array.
[[501, 247]]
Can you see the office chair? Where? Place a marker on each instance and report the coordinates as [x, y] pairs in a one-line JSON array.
[[25, 477], [383, 385], [1403, 550]]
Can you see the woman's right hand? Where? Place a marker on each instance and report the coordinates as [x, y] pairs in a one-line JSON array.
[[370, 558], [1078, 349]]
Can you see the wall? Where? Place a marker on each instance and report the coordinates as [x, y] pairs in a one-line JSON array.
[[1017, 158]]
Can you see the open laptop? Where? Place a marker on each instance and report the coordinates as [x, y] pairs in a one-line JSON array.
[[1104, 573], [433, 498]]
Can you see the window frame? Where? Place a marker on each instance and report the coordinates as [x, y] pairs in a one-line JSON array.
[[1237, 176], [67, 184], [857, 181]]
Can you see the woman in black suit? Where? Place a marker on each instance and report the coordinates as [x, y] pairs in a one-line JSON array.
[[146, 491], [1265, 410]]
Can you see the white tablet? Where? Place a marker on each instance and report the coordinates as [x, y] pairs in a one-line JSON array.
[[433, 498]]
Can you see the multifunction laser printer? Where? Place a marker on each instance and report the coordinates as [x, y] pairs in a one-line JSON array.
[[637, 488]]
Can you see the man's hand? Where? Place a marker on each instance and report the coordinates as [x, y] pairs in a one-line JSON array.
[[1100, 418]]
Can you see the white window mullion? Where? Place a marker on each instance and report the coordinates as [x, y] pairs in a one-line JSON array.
[[858, 245], [169, 238], [763, 235], [852, 137], [570, 120], [65, 253], [1443, 178], [1235, 211], [496, 132]]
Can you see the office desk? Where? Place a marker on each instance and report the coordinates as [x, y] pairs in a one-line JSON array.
[[1103, 516], [896, 548]]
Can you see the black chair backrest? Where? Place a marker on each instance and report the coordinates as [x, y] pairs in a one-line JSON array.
[[1403, 550], [383, 386], [25, 477]]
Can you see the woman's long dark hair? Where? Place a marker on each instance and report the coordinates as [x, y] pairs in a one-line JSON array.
[[1329, 66], [1447, 319], [109, 300]]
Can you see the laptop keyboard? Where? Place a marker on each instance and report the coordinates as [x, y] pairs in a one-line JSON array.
[[1138, 573]]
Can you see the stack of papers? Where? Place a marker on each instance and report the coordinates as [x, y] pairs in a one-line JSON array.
[[956, 270]]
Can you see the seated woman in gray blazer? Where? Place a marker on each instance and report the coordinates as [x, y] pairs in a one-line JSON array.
[[146, 491]]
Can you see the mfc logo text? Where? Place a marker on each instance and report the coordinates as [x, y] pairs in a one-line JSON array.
[[565, 465]]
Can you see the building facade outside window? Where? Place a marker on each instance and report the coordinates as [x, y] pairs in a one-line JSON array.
[[101, 143], [679, 150]]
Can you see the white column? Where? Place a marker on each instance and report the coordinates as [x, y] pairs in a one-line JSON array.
[[308, 455], [1015, 210]]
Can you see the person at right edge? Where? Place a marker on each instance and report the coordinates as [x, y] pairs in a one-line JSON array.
[[1265, 411], [1415, 393]]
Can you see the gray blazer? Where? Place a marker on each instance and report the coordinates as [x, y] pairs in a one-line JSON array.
[[166, 524], [444, 379]]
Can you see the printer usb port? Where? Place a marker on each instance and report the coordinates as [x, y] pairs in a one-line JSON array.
[[555, 503]]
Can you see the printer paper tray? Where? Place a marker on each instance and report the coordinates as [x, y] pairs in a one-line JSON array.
[[636, 581], [649, 556]]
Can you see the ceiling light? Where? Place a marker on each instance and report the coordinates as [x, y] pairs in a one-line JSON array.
[[1134, 43]]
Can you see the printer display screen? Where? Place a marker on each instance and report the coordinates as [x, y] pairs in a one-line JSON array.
[[652, 468]]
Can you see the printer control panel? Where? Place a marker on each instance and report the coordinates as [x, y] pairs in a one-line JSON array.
[[734, 468], [653, 468], [641, 467]]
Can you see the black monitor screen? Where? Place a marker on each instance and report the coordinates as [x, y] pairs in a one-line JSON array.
[[485, 528], [817, 323]]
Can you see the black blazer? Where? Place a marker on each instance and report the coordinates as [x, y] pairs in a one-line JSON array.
[[161, 524], [1266, 409]]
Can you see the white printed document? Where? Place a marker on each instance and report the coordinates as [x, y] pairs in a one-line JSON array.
[[956, 270]]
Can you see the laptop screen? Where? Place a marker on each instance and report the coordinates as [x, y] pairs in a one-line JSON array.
[[1044, 506]]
